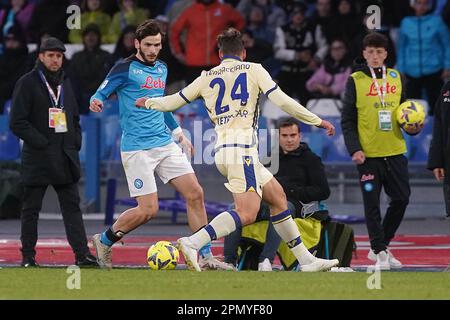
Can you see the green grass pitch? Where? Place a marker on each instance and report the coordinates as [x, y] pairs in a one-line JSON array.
[[51, 283]]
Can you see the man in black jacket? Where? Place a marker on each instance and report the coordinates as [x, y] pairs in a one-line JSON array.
[[439, 154], [44, 115], [302, 176]]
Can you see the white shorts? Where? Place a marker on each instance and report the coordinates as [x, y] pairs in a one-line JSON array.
[[168, 162]]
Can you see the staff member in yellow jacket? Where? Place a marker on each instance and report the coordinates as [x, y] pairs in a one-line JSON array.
[[376, 145]]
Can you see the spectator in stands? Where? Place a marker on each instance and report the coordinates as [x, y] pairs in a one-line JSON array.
[[294, 46], [176, 74], [13, 62], [19, 13], [125, 45], [329, 80], [302, 176], [439, 154], [375, 142], [50, 16], [324, 21], [257, 50], [90, 66], [347, 20], [129, 14], [177, 8], [424, 53], [275, 16], [52, 140], [256, 22], [200, 50], [92, 13]]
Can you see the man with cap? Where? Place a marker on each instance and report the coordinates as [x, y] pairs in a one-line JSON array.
[[44, 115]]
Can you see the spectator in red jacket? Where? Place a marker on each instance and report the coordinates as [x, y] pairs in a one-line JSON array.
[[202, 21]]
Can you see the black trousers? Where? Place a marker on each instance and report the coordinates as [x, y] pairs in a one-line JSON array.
[[392, 174], [432, 84], [447, 196], [69, 200]]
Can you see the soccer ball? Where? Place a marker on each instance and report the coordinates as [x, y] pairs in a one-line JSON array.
[[411, 117], [162, 256]]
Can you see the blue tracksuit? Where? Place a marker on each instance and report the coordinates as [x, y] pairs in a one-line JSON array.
[[132, 79], [423, 46]]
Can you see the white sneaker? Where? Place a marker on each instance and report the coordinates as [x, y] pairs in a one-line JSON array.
[[393, 262], [104, 252], [382, 261], [212, 263], [265, 265], [319, 265], [189, 253]]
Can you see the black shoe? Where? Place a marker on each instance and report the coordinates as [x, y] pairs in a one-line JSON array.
[[87, 261], [29, 262]]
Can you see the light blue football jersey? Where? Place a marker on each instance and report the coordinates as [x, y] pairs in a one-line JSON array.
[[142, 129]]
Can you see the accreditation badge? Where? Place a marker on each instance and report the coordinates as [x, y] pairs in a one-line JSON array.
[[60, 122], [385, 120], [51, 116]]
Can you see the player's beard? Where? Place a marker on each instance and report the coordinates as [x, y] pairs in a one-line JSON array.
[[142, 54]]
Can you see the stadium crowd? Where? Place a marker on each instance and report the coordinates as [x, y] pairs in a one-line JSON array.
[[308, 46]]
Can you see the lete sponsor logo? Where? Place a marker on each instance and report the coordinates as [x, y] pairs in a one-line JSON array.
[[389, 90], [150, 83], [367, 177]]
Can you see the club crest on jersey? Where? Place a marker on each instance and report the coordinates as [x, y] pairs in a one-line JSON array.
[[150, 83]]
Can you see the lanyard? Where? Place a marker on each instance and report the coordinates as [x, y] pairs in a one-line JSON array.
[[381, 93], [54, 99]]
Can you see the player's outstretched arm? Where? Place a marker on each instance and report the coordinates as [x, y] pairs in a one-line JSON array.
[[298, 111], [174, 101], [167, 103], [287, 104]]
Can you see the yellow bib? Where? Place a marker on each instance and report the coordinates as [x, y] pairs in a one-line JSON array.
[[376, 141]]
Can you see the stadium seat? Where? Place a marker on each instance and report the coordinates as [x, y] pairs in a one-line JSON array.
[[325, 107]]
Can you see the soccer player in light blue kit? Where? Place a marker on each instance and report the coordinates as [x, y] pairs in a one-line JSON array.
[[148, 147]]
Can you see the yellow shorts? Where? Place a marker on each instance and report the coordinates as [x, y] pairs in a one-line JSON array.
[[242, 169]]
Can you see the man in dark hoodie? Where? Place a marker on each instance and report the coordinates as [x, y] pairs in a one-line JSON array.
[[44, 115], [12, 62], [302, 176], [376, 144], [90, 66]]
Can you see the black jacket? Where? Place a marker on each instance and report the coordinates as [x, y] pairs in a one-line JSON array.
[[439, 154], [349, 119], [47, 157], [302, 176]]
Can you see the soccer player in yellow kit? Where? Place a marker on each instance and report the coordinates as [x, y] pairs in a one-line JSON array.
[[231, 92]]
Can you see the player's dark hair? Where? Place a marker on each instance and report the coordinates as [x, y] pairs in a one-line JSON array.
[[375, 40], [288, 122], [148, 28], [230, 42]]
